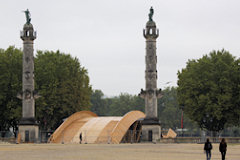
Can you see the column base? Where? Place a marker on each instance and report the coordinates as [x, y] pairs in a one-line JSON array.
[[28, 121], [28, 130], [151, 130]]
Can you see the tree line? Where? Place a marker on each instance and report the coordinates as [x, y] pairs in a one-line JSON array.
[[169, 111], [208, 92]]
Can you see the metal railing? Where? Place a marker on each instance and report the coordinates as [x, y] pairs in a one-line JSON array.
[[130, 137]]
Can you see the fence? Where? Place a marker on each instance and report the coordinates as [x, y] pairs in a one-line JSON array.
[[7, 137], [130, 137], [12, 137], [199, 140]]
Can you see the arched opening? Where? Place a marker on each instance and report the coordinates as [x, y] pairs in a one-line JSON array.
[[150, 31], [133, 135], [27, 33]]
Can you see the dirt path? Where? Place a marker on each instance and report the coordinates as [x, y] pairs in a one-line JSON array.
[[112, 152]]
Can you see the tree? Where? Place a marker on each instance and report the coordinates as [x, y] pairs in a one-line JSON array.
[[170, 112], [63, 85], [120, 105], [60, 79], [98, 104], [115, 106], [10, 85], [209, 90]]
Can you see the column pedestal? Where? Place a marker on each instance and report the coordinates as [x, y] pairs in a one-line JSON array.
[[28, 130], [151, 130]]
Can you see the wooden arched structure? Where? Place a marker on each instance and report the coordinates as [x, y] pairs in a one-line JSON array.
[[70, 126], [94, 129]]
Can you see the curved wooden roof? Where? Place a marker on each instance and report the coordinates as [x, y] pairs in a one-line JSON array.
[[62, 130], [122, 127], [94, 129]]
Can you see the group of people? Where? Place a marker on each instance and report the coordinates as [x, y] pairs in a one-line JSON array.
[[222, 148]]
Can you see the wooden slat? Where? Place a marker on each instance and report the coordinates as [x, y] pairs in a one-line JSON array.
[[139, 134]]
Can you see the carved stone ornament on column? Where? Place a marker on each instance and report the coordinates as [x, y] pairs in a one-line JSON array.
[[150, 46], [151, 75], [27, 75], [150, 92], [27, 59], [150, 58], [27, 94], [28, 49]]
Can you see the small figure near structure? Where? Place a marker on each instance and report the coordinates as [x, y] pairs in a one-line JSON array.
[[80, 138]]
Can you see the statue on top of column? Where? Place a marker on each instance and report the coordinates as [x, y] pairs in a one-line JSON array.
[[151, 14], [28, 18]]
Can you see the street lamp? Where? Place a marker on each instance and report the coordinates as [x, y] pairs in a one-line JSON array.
[[182, 107]]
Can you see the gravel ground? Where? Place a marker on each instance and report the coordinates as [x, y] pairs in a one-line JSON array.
[[113, 152]]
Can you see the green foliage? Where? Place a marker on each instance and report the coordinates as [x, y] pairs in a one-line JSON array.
[[61, 81], [63, 85], [115, 106], [209, 90], [98, 103], [10, 85], [168, 109], [118, 106], [170, 112]]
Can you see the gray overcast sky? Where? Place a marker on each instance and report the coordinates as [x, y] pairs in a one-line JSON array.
[[106, 35]]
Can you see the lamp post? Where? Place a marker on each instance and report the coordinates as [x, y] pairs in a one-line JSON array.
[[182, 107], [239, 80]]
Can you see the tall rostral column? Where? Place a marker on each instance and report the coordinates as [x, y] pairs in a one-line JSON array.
[[28, 127], [151, 130]]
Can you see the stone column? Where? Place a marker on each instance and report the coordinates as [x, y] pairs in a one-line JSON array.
[[150, 125], [28, 127]]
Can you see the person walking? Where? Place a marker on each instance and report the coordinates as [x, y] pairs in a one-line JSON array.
[[223, 148], [208, 148], [80, 138]]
